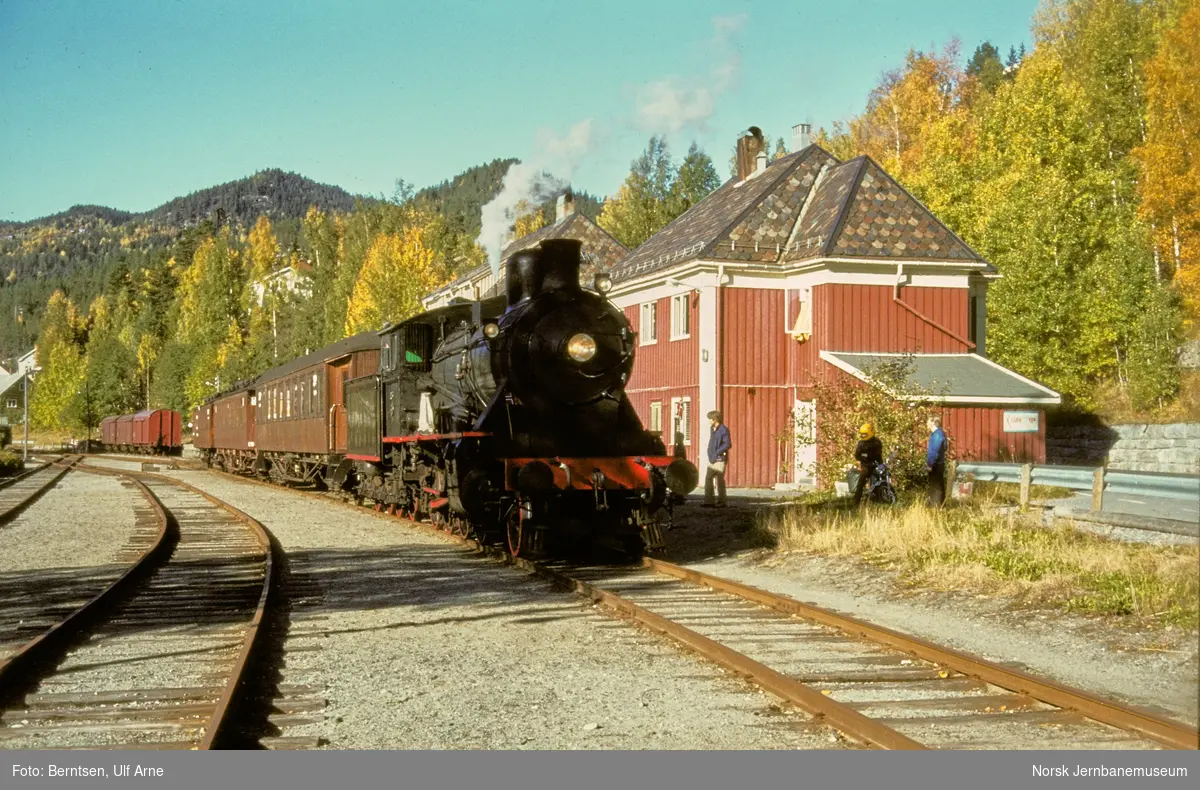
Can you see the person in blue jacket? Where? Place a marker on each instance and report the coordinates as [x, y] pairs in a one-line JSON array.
[[935, 461], [718, 456]]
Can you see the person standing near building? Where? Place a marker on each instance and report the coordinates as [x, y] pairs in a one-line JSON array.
[[719, 443], [935, 461], [869, 454]]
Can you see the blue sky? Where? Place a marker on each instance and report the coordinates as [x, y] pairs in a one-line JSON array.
[[130, 103]]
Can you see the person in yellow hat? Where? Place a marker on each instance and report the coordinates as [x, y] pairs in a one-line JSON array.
[[869, 453]]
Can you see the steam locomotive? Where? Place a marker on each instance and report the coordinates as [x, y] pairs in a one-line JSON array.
[[504, 418]]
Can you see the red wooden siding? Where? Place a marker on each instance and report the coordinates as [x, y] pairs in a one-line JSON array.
[[668, 369], [754, 416], [758, 391], [977, 434], [666, 362], [865, 318], [641, 403]]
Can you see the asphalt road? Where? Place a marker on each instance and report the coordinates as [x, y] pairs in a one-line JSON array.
[[1175, 509]]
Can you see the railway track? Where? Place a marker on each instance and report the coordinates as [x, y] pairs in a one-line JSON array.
[[21, 491], [878, 688], [162, 657]]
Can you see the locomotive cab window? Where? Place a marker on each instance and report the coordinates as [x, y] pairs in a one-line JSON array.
[[418, 347]]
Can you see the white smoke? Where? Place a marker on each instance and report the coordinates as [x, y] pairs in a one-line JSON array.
[[674, 103], [533, 183]]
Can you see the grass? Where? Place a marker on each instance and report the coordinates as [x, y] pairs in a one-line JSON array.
[[967, 548]]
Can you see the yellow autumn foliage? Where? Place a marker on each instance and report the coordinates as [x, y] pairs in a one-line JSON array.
[[398, 270]]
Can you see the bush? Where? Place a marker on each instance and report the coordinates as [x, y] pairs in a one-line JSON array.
[[10, 464], [898, 409]]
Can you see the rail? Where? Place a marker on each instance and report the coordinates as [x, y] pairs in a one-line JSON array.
[[1097, 479]]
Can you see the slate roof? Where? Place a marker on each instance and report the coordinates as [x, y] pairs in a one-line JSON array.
[[859, 211], [751, 208], [601, 252], [964, 378], [804, 206]]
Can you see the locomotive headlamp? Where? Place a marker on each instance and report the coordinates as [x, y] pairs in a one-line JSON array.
[[602, 284], [581, 347], [491, 330]]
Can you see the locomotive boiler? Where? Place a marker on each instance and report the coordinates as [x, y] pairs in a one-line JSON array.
[[507, 418]]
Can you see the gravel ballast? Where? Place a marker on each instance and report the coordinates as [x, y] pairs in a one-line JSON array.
[[84, 521], [417, 643]]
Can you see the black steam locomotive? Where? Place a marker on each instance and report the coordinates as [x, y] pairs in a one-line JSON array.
[[507, 418]]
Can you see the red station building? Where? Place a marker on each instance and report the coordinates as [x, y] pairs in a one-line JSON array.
[[802, 268]]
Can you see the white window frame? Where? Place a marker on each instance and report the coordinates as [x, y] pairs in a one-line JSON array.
[[685, 419], [656, 417], [649, 320], [681, 315], [12, 403]]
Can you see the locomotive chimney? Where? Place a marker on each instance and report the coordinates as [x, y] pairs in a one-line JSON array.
[[748, 146], [560, 265]]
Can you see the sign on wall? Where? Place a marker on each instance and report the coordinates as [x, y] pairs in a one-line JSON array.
[[1021, 421]]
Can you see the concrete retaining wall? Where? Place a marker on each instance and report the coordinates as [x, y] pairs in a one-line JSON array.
[[1138, 448]]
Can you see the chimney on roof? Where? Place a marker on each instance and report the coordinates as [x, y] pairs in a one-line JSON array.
[[748, 147], [801, 136], [565, 206]]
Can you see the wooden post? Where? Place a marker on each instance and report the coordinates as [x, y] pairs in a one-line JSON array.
[[1026, 484], [1098, 489], [951, 478]]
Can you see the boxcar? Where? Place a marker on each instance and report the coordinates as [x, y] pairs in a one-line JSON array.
[[108, 431], [158, 430], [150, 431]]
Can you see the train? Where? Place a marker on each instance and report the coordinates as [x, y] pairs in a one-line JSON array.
[[149, 432], [504, 418]]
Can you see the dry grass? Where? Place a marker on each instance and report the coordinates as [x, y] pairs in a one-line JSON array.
[[967, 548]]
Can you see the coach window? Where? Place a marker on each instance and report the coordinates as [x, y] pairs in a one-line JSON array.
[[316, 396], [648, 327]]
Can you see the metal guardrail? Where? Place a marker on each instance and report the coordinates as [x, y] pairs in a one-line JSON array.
[[1084, 478]]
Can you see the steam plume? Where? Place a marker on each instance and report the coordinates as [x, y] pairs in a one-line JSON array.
[[533, 183]]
